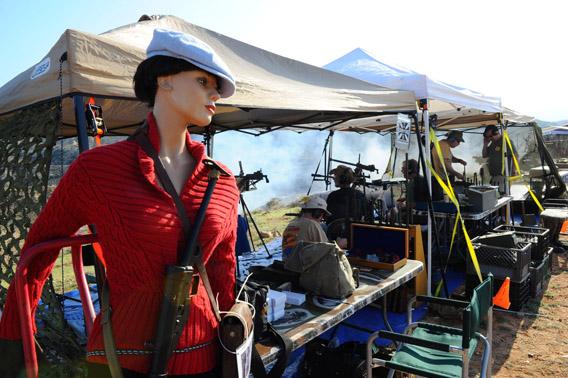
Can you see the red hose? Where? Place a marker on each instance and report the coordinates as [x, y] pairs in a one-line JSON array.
[[24, 308]]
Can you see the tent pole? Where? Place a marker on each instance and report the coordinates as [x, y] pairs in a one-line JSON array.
[[329, 159], [506, 183], [82, 136], [428, 153], [83, 139]]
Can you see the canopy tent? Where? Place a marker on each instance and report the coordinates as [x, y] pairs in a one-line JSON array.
[[272, 91], [443, 97], [555, 130], [451, 119], [454, 107], [449, 106]]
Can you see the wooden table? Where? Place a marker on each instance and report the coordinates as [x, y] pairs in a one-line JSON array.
[[304, 323]]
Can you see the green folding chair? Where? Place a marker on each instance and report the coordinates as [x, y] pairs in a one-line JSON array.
[[433, 350]]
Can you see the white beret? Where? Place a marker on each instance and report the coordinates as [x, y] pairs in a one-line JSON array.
[[187, 47]]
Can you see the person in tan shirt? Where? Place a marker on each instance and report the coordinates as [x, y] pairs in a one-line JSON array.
[[453, 139], [307, 226]]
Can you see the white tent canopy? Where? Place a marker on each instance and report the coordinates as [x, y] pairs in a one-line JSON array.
[[362, 65], [272, 91], [454, 106]]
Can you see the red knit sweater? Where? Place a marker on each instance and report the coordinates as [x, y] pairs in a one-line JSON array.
[[114, 187]]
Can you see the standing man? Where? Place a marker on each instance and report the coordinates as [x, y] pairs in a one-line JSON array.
[[453, 139], [493, 151]]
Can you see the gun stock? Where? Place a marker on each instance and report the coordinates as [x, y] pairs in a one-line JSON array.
[[180, 285]]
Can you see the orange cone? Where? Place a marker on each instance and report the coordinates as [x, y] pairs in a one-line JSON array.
[[501, 299], [564, 228]]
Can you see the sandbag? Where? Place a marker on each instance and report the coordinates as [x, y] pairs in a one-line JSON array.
[[324, 269]]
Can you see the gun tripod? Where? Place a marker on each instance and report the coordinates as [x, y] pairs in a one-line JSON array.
[[248, 215]]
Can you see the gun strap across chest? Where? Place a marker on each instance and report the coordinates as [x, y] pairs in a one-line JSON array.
[[142, 139]]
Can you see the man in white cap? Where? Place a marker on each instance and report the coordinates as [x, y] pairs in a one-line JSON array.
[[307, 226]]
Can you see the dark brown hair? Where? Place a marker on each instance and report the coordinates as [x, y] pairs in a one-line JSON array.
[[147, 74]]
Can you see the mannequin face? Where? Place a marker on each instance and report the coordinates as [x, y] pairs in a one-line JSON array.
[[191, 95]]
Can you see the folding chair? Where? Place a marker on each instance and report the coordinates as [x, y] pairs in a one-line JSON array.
[[24, 305], [432, 350]]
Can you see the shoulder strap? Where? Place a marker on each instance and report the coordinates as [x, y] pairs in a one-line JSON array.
[[142, 139], [108, 337]]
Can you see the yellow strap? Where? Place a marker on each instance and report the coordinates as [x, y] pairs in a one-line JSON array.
[[438, 149], [515, 161], [519, 175], [454, 232], [534, 198], [450, 193]]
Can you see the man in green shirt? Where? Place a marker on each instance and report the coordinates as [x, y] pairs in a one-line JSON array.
[[492, 150]]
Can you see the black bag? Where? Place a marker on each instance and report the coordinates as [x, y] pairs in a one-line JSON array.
[[346, 360], [256, 294], [275, 275]]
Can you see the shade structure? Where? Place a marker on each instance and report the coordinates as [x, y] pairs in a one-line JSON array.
[[453, 106], [272, 91]]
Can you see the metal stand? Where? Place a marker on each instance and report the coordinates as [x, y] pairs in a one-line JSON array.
[[247, 214], [431, 214]]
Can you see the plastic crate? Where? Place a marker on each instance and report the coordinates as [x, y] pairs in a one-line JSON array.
[[519, 292], [502, 262], [540, 237], [538, 272]]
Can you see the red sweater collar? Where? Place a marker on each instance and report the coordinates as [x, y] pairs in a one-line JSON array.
[[196, 149]]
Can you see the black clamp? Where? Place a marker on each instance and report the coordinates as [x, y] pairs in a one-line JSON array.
[[95, 123]]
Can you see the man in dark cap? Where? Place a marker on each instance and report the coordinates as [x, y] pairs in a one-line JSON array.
[[346, 202], [453, 139], [493, 151]]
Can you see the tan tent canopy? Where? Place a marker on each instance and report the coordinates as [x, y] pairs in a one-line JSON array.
[[272, 91]]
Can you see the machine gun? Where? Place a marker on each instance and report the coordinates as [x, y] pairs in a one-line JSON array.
[[247, 182], [358, 166]]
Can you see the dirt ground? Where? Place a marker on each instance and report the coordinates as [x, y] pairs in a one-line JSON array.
[[533, 343]]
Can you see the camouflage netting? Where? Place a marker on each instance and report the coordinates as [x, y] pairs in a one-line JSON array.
[[27, 138]]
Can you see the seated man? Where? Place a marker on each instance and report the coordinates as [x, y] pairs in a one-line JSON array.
[[346, 202], [416, 191], [306, 227]]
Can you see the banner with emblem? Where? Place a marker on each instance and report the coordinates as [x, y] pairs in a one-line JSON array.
[[403, 124]]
